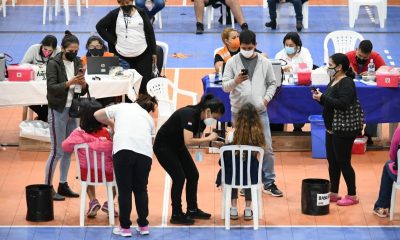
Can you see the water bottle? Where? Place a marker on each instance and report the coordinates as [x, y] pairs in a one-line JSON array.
[[371, 71], [149, 4], [2, 67]]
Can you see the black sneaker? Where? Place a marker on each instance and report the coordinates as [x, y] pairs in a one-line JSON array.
[[65, 190], [181, 218], [299, 26], [199, 28], [273, 190], [57, 197], [244, 26], [271, 25], [198, 214]]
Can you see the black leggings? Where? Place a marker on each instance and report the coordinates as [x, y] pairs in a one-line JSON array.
[[338, 151], [42, 111], [180, 166], [132, 174]]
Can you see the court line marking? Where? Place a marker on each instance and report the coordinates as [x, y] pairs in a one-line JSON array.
[[213, 226]]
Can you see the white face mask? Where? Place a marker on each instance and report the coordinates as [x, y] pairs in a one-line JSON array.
[[247, 54], [210, 121], [331, 72]]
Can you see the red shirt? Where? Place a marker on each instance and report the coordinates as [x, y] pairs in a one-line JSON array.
[[102, 133], [378, 61]]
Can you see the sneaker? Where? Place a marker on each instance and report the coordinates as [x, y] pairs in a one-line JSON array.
[[57, 197], [94, 206], [381, 212], [334, 197], [143, 230], [104, 208], [65, 190], [234, 213], [124, 232], [244, 26], [248, 214], [299, 26], [271, 25], [347, 201], [241, 192], [181, 218], [273, 190], [198, 214], [199, 28]]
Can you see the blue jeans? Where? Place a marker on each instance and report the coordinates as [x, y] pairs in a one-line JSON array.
[[297, 4], [268, 171], [385, 191], [61, 126], [158, 5]]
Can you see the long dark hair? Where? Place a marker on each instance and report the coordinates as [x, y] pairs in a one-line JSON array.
[[341, 59], [49, 41], [147, 102], [295, 37], [211, 102], [88, 122]]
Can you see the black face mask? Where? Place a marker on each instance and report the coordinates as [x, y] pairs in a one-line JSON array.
[[126, 9], [70, 56], [361, 61], [95, 52]]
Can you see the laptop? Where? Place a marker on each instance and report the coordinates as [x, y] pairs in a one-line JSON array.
[[101, 65]]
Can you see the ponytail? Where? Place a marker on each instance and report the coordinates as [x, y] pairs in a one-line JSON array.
[[214, 104], [342, 59], [350, 73], [69, 39]]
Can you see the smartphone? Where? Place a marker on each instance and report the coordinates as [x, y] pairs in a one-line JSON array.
[[245, 71], [82, 71], [313, 89]]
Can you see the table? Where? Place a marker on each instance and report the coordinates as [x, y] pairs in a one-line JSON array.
[[294, 104]]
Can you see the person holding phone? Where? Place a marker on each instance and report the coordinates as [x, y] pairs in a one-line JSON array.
[[63, 77], [249, 77]]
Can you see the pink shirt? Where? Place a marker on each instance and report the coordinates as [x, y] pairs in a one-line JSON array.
[[394, 146]]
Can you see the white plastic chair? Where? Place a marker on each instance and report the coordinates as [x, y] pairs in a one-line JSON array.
[[354, 7], [256, 189], [56, 5], [158, 18], [395, 187], [78, 6], [165, 49], [4, 6], [291, 13], [84, 184], [343, 42], [209, 10]]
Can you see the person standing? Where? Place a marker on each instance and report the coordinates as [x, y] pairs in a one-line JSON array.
[[155, 7], [63, 81], [298, 9], [339, 95], [249, 77], [130, 36]]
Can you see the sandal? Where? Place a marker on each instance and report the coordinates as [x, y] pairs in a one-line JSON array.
[[248, 214], [234, 213]]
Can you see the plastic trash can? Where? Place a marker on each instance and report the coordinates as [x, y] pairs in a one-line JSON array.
[[317, 136], [39, 201], [315, 196]]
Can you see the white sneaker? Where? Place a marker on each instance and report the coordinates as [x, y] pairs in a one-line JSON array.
[[143, 230], [124, 232], [248, 214], [234, 213]]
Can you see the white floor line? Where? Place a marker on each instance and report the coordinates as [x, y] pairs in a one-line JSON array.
[[389, 57], [164, 216], [213, 226]]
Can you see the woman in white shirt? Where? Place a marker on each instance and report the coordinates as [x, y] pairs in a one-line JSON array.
[[294, 53], [132, 156]]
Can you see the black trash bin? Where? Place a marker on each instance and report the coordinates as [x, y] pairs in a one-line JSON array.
[[39, 201], [315, 196]]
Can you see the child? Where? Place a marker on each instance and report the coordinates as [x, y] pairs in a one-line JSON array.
[[248, 131], [98, 138]]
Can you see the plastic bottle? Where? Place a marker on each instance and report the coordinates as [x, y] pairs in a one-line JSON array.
[[371, 71]]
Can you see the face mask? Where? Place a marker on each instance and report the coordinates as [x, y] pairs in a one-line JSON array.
[[331, 72], [70, 56], [210, 121], [290, 50], [46, 53], [361, 61], [96, 52], [235, 43], [127, 9], [247, 54]]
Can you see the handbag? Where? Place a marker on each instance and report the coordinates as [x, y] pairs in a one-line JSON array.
[[78, 101], [349, 120]]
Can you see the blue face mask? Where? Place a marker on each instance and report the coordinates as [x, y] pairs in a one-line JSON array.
[[290, 50]]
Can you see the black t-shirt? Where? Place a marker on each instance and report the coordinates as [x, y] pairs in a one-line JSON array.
[[171, 132]]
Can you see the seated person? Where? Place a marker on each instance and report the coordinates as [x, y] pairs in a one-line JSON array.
[[389, 175], [294, 53], [248, 131], [98, 139], [298, 8], [95, 48], [359, 60], [234, 5], [157, 5], [39, 54]]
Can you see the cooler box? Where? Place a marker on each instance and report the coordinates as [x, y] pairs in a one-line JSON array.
[[389, 79], [20, 73], [359, 145], [304, 77]]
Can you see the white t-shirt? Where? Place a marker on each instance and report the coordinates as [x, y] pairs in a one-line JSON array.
[[131, 39], [303, 56], [70, 70], [132, 129]]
